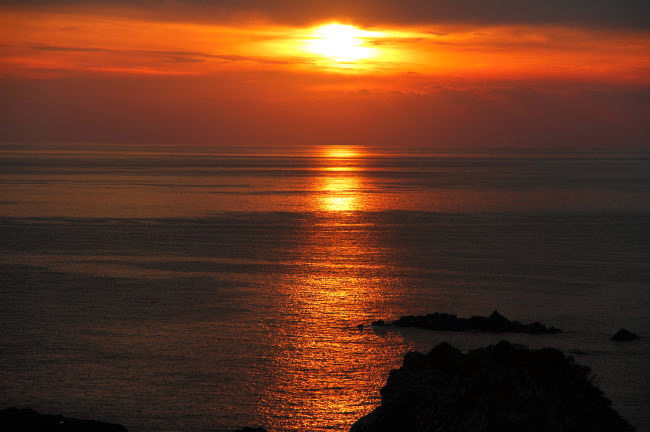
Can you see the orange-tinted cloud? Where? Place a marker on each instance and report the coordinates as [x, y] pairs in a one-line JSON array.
[[57, 42]]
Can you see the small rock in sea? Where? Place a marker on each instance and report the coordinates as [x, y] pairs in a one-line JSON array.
[[360, 326], [624, 335], [503, 387], [378, 323], [250, 429], [28, 420]]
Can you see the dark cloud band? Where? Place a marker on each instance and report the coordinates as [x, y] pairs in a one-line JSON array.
[[631, 14]]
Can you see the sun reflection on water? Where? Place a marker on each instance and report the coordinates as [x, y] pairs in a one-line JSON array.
[[342, 189], [329, 371], [341, 194], [341, 152]]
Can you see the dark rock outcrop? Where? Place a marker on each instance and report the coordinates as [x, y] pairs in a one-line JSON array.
[[495, 323], [624, 335], [28, 420], [502, 387]]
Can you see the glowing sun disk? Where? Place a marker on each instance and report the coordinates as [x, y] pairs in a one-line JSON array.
[[341, 43]]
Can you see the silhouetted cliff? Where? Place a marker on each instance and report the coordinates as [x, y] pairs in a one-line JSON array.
[[502, 387]]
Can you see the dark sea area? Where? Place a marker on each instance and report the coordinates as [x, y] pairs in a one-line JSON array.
[[193, 290]]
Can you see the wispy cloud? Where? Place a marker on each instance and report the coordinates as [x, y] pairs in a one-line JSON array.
[[168, 55]]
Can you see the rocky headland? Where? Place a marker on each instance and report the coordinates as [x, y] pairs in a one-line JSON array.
[[503, 387]]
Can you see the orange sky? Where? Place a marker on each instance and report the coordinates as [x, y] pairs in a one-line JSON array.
[[40, 43], [318, 78]]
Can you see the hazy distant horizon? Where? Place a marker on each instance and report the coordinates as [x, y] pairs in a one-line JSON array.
[[310, 149]]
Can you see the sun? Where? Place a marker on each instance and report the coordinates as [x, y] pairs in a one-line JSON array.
[[341, 43]]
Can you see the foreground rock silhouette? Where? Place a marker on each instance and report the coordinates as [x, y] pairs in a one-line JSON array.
[[28, 420], [502, 387], [624, 335], [495, 323]]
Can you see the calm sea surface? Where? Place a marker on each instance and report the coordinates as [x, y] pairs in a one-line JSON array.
[[181, 291]]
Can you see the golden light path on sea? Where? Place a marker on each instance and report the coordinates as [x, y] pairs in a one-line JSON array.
[[324, 360]]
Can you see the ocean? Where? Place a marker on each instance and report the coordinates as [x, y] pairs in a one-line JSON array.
[[202, 289]]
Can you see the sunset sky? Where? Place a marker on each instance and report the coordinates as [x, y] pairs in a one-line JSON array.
[[441, 74]]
